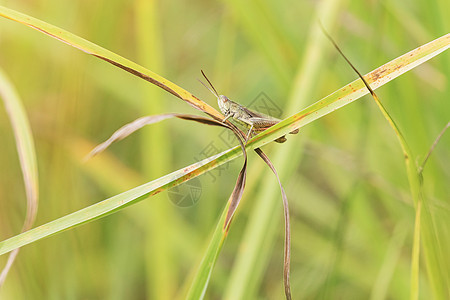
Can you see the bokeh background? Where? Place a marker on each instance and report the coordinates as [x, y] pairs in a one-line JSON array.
[[352, 214]]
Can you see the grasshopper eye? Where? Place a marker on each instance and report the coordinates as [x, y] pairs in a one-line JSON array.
[[223, 98]]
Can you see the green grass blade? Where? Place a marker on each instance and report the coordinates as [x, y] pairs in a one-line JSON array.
[[415, 269], [203, 275], [117, 202]]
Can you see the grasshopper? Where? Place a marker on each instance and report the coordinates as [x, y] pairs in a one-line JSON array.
[[258, 122]]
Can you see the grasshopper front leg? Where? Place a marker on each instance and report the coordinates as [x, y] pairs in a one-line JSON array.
[[226, 118]]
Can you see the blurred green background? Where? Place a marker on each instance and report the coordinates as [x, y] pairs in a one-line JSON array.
[[352, 214]]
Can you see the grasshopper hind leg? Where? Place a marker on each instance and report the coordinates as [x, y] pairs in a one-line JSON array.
[[249, 133]]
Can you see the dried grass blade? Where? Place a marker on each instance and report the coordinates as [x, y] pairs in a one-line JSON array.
[[287, 228], [236, 195], [137, 124], [27, 158]]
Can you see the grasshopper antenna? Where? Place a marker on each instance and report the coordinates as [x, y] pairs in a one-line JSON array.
[[213, 90]]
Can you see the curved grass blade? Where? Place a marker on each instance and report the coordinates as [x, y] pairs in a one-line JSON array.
[[27, 158], [137, 124], [238, 190], [287, 228], [110, 57], [439, 283]]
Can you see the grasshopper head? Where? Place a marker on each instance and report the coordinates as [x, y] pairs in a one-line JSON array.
[[224, 104]]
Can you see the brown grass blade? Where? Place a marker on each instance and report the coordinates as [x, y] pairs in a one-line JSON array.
[[287, 228], [137, 124], [238, 190], [236, 195]]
